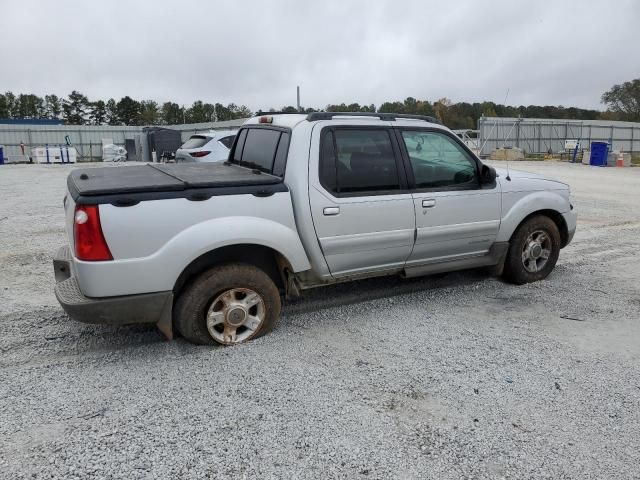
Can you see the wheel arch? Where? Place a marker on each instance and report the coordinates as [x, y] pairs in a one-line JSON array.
[[556, 217], [550, 203], [272, 262]]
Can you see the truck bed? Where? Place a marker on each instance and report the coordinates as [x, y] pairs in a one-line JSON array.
[[128, 185]]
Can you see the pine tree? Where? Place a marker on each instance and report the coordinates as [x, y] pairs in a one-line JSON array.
[[112, 112], [75, 108], [98, 113], [53, 106], [129, 111]]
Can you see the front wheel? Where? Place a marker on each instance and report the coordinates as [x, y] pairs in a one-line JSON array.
[[533, 251], [228, 304]]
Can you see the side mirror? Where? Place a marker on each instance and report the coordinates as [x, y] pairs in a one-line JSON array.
[[487, 175]]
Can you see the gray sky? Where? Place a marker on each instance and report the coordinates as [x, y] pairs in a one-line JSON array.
[[256, 52]]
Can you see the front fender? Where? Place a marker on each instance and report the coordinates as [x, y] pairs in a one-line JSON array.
[[159, 271], [516, 206]]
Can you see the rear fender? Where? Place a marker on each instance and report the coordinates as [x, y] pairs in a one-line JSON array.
[[159, 271], [242, 230]]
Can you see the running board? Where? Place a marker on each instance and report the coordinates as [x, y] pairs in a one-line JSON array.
[[495, 256]]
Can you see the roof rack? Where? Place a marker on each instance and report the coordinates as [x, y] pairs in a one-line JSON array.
[[260, 113], [389, 117]]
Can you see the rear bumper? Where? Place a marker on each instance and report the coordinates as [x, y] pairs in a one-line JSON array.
[[127, 309]]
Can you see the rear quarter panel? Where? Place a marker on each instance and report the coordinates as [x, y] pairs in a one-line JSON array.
[[153, 241]]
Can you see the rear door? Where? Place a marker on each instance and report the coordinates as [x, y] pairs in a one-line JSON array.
[[362, 211], [456, 217]]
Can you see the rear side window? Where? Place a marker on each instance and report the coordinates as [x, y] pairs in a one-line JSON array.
[[328, 173], [227, 141], [196, 141], [354, 160], [237, 154], [257, 148], [280, 161]]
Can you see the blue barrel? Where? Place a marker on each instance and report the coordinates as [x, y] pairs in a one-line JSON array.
[[1, 154], [599, 152]]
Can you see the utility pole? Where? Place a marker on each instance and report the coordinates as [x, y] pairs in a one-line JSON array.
[[298, 96]]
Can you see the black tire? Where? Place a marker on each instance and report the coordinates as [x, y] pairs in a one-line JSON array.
[[190, 312], [514, 267]]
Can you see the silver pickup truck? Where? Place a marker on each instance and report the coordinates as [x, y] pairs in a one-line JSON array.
[[303, 201]]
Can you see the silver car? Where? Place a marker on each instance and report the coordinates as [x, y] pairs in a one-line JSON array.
[[210, 146], [304, 201]]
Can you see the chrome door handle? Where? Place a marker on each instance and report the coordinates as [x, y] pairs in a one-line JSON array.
[[428, 203], [331, 211]]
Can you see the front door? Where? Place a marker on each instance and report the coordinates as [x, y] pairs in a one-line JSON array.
[[362, 212], [456, 216]]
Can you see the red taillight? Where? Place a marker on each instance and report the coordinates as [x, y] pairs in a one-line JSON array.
[[87, 232], [199, 154]]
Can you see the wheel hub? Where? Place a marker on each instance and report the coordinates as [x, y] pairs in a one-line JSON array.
[[236, 316], [535, 250]]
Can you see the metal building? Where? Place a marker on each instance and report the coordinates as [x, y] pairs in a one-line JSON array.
[[87, 139], [538, 135]]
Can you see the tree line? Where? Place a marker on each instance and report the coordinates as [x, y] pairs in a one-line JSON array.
[[77, 109], [622, 101], [463, 115]]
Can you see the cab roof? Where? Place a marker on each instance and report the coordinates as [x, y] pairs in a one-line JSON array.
[[290, 120]]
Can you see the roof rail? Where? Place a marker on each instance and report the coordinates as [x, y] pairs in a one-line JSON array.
[[260, 113], [389, 117]]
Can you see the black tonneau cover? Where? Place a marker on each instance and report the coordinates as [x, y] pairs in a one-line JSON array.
[[128, 185]]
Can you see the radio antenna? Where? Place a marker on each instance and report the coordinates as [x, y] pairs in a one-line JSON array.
[[508, 177]]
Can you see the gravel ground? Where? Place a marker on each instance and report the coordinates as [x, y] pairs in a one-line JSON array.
[[456, 377]]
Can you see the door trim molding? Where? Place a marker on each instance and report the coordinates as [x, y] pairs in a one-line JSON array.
[[495, 256], [364, 242]]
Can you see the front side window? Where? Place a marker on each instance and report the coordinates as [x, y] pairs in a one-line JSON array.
[[438, 161], [358, 160]]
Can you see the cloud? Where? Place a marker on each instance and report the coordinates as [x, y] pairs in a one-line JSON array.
[[256, 52]]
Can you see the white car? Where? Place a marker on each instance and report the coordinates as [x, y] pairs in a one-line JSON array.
[[210, 146]]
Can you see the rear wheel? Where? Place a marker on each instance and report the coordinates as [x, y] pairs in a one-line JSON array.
[[533, 251], [228, 304]]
